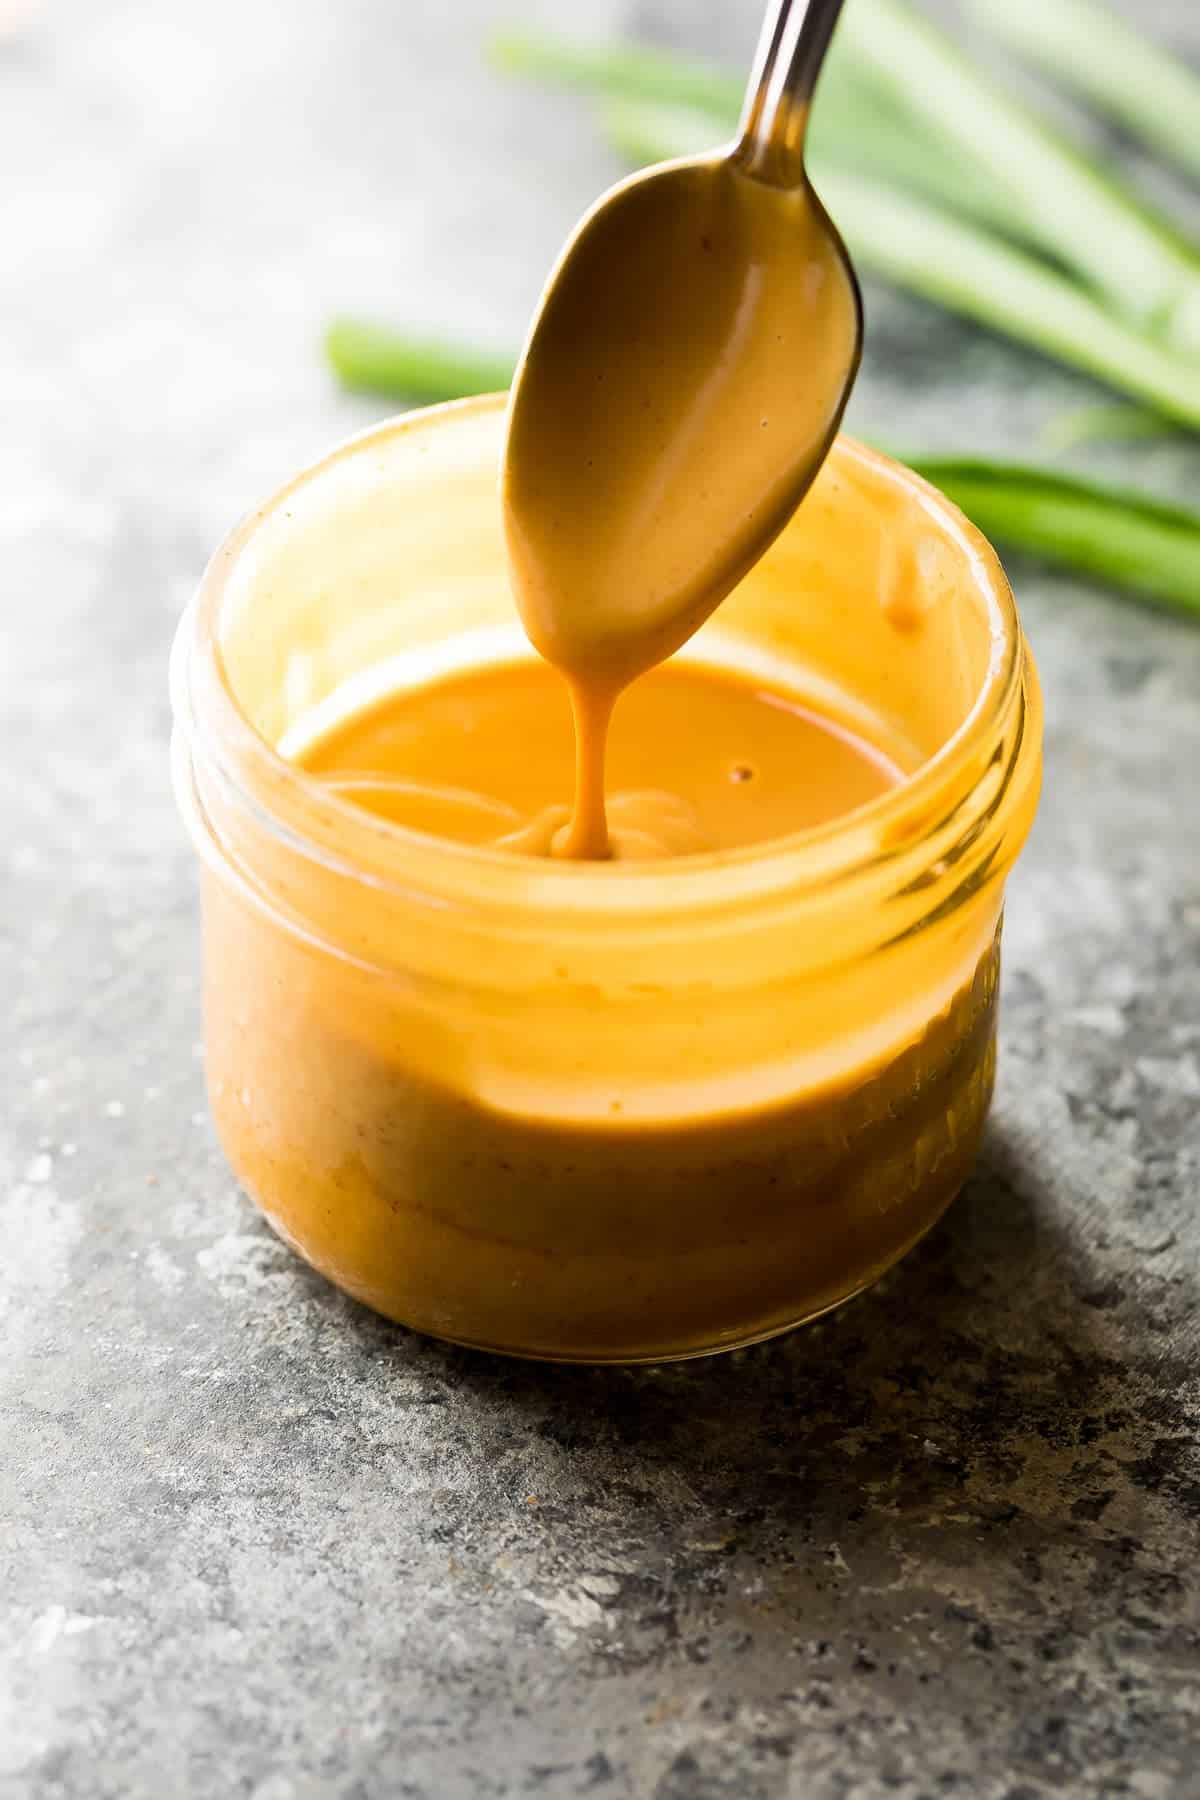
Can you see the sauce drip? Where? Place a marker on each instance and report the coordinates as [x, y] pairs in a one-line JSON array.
[[700, 759], [682, 382]]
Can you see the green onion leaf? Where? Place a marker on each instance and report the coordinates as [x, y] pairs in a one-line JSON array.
[[1104, 421], [1145, 546], [900, 100], [372, 359], [1067, 207], [856, 117], [1121, 537], [944, 258], [1088, 49], [628, 71]]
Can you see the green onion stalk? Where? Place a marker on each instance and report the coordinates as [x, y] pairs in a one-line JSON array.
[[901, 101], [1115, 535], [1069, 209], [908, 241], [1088, 49]]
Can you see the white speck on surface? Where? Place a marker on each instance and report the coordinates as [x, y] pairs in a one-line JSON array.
[[56, 1622], [163, 1270], [39, 1169], [1109, 1021], [36, 1680], [242, 1260], [1148, 1784], [1124, 1091], [601, 1587], [274, 1787], [39, 1231], [115, 1109], [572, 1610], [1173, 1074]]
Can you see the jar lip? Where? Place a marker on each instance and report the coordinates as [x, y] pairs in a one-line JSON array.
[[330, 829]]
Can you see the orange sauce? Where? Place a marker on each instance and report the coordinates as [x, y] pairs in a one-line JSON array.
[[578, 1110], [699, 759]]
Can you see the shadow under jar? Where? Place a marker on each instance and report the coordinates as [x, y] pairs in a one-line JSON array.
[[599, 1112]]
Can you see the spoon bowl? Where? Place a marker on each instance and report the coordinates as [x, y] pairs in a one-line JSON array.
[[684, 377], [682, 382]]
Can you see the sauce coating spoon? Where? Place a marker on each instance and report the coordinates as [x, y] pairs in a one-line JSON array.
[[683, 379]]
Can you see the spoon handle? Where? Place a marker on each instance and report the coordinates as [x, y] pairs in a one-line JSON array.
[[791, 49]]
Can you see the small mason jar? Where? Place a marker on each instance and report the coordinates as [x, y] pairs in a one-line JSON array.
[[599, 1112]]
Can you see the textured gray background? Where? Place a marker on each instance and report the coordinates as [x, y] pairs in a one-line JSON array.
[[254, 1542]]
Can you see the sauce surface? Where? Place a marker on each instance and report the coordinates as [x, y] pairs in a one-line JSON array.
[[682, 383], [700, 759]]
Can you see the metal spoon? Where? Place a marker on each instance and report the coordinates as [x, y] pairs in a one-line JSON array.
[[683, 379]]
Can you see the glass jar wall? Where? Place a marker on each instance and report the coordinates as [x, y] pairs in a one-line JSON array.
[[599, 1112]]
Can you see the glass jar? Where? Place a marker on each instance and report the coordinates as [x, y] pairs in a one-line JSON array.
[[599, 1112]]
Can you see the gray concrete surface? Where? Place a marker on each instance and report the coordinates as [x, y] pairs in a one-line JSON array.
[[254, 1542]]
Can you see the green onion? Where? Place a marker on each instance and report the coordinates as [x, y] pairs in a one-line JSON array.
[[1090, 50], [649, 133], [627, 71], [375, 359], [1115, 534], [856, 118], [986, 279], [1068, 208], [645, 133], [908, 242], [1103, 421], [371, 359], [899, 98]]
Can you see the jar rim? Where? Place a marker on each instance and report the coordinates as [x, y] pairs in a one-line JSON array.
[[340, 836]]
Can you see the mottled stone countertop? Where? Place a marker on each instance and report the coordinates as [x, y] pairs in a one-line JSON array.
[[254, 1541]]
